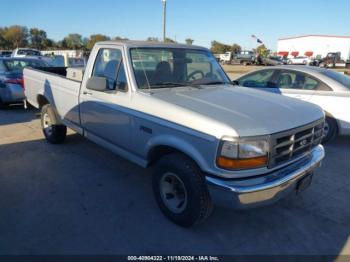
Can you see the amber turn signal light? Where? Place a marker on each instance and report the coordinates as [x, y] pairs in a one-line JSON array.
[[237, 164]]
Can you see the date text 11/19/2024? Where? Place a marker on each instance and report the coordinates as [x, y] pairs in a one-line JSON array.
[[173, 258]]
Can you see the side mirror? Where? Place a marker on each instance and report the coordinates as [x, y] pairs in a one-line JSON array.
[[97, 84], [235, 82]]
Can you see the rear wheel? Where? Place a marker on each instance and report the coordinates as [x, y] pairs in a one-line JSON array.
[[54, 132], [330, 130], [2, 105], [180, 190]]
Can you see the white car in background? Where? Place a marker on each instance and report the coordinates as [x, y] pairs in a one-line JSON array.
[[326, 88], [25, 52], [299, 60]]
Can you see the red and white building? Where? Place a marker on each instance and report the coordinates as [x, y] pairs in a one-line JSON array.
[[314, 46]]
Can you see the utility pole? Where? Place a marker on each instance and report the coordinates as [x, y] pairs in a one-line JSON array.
[[164, 20]]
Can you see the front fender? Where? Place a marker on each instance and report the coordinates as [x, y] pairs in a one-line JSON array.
[[178, 144]]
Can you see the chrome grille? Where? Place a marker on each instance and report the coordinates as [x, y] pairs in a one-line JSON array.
[[294, 143]]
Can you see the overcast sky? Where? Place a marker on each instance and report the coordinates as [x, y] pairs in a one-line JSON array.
[[228, 21]]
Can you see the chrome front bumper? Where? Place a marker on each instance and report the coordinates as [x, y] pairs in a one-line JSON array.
[[265, 189]]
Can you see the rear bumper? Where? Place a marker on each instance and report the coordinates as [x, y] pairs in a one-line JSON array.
[[12, 93], [263, 190]]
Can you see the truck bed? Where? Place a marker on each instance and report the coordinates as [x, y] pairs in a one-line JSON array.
[[51, 83]]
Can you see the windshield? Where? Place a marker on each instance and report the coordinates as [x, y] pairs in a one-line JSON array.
[[340, 78], [172, 67], [76, 62], [28, 52], [56, 61], [18, 65]]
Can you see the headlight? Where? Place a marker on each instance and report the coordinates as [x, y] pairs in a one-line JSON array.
[[239, 155]]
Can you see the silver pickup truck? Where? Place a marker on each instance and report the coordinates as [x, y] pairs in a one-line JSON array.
[[173, 108]]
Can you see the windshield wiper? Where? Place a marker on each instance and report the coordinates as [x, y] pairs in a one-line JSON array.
[[214, 83], [173, 84], [167, 84]]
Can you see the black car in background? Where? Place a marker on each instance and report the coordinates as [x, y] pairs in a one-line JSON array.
[[5, 53]]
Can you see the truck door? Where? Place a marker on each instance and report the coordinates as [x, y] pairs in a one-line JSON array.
[[104, 114]]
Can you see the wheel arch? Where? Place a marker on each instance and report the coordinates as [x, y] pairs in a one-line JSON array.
[[329, 115], [171, 145], [42, 100]]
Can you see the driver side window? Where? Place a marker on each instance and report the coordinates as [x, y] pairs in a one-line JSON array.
[[109, 64]]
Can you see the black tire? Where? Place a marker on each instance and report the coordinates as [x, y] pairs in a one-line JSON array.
[[198, 205], [3, 105], [54, 132], [331, 134]]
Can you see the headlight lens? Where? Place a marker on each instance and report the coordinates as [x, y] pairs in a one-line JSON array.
[[238, 155], [253, 149]]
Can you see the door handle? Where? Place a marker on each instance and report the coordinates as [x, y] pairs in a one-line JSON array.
[[87, 93]]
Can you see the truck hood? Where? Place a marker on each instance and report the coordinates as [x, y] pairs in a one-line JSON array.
[[246, 111]]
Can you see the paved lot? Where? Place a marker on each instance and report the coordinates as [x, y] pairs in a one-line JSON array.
[[77, 198]]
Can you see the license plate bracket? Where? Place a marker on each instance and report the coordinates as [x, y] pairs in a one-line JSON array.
[[304, 183]]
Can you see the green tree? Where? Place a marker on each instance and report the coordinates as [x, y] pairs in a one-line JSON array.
[[119, 38], [3, 42], [49, 44], [37, 38], [152, 39], [169, 40], [62, 44], [16, 36], [189, 41], [219, 48], [235, 48], [94, 39], [262, 51], [73, 41]]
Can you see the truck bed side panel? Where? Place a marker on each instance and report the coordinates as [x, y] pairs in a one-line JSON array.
[[61, 92]]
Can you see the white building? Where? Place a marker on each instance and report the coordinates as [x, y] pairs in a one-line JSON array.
[[314, 46], [69, 53]]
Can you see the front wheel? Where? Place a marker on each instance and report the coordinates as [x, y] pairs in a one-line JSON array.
[[330, 130], [54, 132], [180, 190]]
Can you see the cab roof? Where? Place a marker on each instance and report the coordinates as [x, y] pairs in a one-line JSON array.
[[148, 44]]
